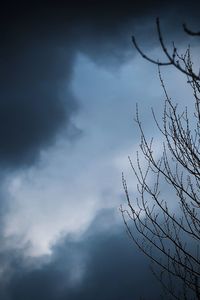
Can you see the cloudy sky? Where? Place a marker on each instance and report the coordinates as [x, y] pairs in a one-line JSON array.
[[69, 83]]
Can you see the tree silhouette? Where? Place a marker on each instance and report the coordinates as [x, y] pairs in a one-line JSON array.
[[171, 239]]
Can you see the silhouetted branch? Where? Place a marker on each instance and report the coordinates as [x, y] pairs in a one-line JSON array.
[[174, 59], [171, 240], [190, 32]]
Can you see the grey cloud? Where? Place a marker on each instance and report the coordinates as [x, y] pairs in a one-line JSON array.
[[35, 100], [103, 264], [39, 42]]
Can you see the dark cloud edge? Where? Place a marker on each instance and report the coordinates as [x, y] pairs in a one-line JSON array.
[[102, 264], [39, 46]]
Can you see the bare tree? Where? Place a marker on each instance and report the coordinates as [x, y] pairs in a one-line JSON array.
[[171, 239]]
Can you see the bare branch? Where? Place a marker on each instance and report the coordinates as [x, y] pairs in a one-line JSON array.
[[171, 240], [190, 32]]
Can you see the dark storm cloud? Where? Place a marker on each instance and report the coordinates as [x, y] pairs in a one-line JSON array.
[[39, 42], [35, 101], [102, 265], [31, 109]]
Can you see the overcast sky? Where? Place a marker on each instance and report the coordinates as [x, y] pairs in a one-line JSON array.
[[69, 83]]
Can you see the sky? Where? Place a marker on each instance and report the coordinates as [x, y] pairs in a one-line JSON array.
[[70, 79]]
